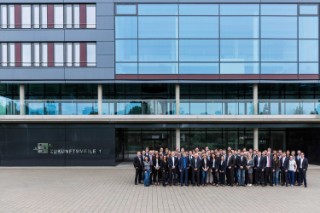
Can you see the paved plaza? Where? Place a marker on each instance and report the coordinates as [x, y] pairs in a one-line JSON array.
[[112, 189]]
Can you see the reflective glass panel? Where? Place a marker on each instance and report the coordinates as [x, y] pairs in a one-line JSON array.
[[308, 50], [278, 27], [126, 9], [279, 68], [239, 9], [279, 50], [308, 68], [158, 50], [126, 50], [126, 27], [239, 68], [198, 27], [308, 27], [198, 68], [308, 9], [158, 68], [239, 50], [239, 27], [126, 68], [278, 9], [198, 50], [198, 9], [158, 27], [158, 9]]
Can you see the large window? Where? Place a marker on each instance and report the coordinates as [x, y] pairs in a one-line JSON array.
[[217, 38]]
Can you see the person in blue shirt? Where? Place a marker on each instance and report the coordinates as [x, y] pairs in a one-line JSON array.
[[184, 168]]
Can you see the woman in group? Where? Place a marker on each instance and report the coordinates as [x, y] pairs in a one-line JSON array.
[[250, 165], [165, 170], [222, 171], [157, 163], [276, 170], [205, 168], [292, 169], [146, 169]]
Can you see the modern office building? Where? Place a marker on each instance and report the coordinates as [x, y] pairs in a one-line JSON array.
[[90, 82]]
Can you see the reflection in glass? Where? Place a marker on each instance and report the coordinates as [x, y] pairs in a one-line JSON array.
[[158, 50], [126, 27], [198, 50], [158, 27], [279, 68], [278, 27], [308, 50], [308, 68], [308, 27], [198, 68], [198, 9], [158, 9], [308, 9], [239, 68], [239, 9], [126, 50], [158, 68], [198, 27], [239, 50], [279, 50], [126, 9], [126, 68], [278, 9], [239, 27]]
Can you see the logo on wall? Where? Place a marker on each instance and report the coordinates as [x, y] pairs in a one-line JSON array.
[[47, 148]]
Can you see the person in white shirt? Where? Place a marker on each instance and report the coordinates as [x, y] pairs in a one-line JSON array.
[[292, 169]]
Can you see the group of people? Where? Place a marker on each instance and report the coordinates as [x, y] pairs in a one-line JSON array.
[[220, 167]]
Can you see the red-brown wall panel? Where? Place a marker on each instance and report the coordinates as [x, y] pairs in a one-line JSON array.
[[83, 15], [50, 15], [50, 54], [17, 16], [83, 54], [18, 55]]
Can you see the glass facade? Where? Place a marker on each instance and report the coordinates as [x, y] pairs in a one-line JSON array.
[[217, 39]]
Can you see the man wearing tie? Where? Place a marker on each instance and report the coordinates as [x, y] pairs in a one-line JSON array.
[[230, 169], [284, 165], [258, 166], [195, 165], [242, 164], [137, 163], [303, 167], [184, 168], [173, 163]]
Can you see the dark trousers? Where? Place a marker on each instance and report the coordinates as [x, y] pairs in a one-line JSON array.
[[156, 175], [164, 177], [222, 178], [259, 177], [190, 174], [172, 176], [214, 176], [138, 176], [196, 175], [284, 177], [268, 176], [303, 177], [184, 176], [230, 176], [236, 175]]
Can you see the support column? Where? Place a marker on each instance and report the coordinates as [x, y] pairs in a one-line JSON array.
[[255, 138], [22, 99], [255, 112], [177, 99], [178, 139], [255, 99], [99, 99]]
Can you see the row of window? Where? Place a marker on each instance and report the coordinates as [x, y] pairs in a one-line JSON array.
[[217, 68], [216, 9], [215, 50], [48, 54], [48, 16], [145, 27]]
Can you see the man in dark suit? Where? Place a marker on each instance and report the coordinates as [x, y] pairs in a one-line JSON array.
[[173, 164], [230, 169], [284, 165], [196, 165], [268, 165], [241, 164], [184, 169], [303, 167], [258, 168], [138, 165]]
